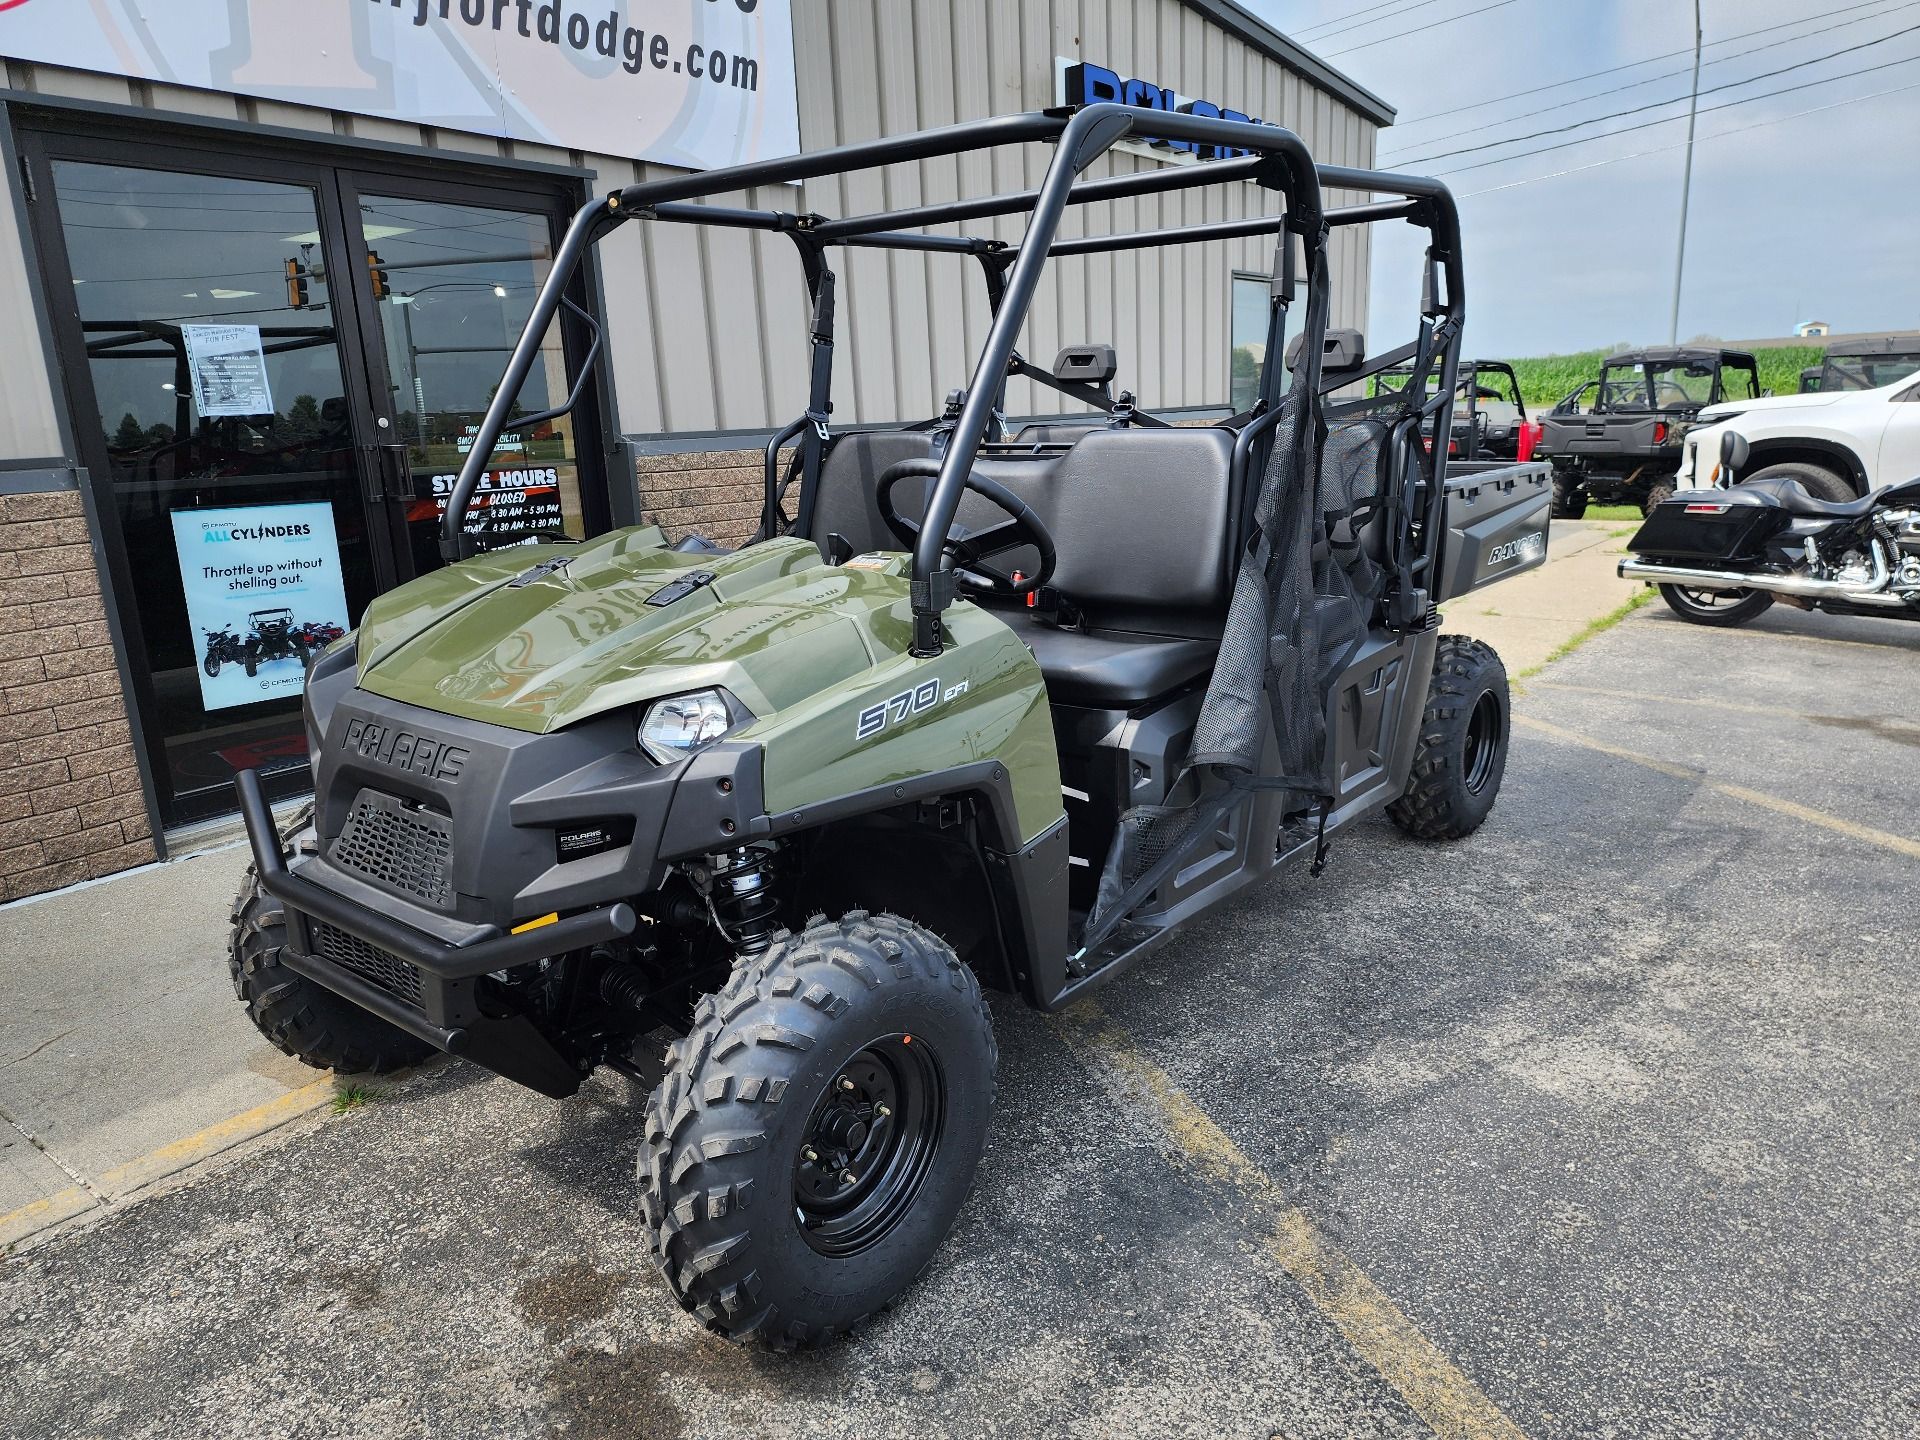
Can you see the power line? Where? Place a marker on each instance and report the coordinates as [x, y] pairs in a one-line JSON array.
[[1680, 144], [1668, 120], [1658, 104], [1636, 84], [1321, 32], [1636, 64], [1435, 25]]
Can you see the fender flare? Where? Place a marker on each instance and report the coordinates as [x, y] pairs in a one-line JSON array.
[[1830, 454]]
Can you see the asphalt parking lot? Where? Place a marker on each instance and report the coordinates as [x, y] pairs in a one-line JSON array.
[[1602, 1123]]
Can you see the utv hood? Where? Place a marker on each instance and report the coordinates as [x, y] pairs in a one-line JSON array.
[[540, 636]]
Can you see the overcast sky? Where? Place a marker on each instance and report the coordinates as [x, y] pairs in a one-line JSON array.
[[1810, 218]]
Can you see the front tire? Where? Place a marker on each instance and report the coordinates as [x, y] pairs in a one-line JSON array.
[[1724, 608], [211, 665], [299, 1016], [817, 1131], [1462, 753]]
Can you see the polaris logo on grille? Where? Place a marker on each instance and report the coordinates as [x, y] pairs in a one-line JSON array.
[[406, 751]]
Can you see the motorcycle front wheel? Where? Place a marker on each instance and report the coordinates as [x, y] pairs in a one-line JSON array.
[[1715, 607], [211, 665]]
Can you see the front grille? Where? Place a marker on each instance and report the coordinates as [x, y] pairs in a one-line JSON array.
[[375, 966], [403, 847]]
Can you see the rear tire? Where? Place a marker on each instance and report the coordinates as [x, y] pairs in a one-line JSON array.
[[1569, 500], [1660, 492], [792, 1057], [300, 1017], [1816, 480], [1462, 754], [1725, 608]]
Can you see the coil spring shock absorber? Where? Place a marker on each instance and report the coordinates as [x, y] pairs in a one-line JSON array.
[[740, 890]]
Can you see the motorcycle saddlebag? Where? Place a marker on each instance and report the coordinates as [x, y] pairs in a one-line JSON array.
[[1710, 525]]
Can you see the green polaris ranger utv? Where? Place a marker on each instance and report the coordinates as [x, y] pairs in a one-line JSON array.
[[974, 711]]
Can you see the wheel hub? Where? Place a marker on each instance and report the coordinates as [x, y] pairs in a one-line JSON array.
[[867, 1145]]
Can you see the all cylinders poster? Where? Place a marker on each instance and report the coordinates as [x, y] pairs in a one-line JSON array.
[[264, 594]]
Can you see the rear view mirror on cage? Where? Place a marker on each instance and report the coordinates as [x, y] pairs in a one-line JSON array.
[[1093, 364]]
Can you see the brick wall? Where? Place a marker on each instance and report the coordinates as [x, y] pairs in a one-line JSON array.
[[70, 801], [714, 492]]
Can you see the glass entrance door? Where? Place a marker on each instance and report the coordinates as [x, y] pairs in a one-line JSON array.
[[453, 283], [209, 315], [275, 364]]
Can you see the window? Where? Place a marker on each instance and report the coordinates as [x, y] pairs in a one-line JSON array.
[[1252, 304]]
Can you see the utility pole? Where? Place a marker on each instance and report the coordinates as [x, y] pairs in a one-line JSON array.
[[1686, 184]]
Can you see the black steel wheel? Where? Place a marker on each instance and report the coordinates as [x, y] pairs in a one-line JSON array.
[[817, 1130], [1715, 607], [869, 1145], [1461, 757]]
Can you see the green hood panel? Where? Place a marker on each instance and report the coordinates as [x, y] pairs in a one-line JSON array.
[[503, 639], [812, 649]]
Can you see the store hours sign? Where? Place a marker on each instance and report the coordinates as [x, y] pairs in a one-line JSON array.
[[690, 83]]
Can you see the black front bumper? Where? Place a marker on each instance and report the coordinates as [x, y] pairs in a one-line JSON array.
[[442, 1004]]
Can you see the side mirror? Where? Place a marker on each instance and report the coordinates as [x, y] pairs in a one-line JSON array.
[[1734, 451]]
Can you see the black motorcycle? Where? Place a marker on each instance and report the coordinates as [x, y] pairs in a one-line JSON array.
[[1721, 557], [226, 648]]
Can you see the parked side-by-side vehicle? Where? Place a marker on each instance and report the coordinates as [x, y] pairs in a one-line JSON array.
[[1618, 440], [975, 710]]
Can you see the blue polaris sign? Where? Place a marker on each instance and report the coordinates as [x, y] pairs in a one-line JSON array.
[[1088, 84]]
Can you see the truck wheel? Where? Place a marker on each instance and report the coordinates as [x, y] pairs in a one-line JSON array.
[[815, 1134], [302, 1018], [1715, 607], [1569, 500], [1462, 752], [1816, 480], [1661, 491]]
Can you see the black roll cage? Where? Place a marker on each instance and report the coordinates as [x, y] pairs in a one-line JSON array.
[[1269, 155]]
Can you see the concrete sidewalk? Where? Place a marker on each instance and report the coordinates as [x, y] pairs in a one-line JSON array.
[[125, 1059], [1527, 619]]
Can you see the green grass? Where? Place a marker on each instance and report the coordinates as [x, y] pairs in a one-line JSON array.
[[352, 1097], [1597, 626], [1544, 379], [1613, 512]]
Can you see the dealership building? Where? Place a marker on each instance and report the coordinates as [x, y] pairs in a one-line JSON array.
[[261, 265]]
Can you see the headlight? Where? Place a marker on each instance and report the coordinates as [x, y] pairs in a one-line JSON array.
[[677, 726]]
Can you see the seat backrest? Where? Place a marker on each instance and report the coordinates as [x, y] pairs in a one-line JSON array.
[[1144, 521], [851, 469]]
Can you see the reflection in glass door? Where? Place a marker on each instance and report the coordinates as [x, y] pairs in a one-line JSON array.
[[453, 284], [206, 311]]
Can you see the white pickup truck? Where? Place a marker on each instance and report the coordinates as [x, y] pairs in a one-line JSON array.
[[1837, 444]]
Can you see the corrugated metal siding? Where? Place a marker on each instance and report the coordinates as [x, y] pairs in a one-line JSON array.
[[708, 327], [726, 312]]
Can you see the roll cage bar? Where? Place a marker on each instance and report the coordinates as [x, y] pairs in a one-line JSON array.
[[1269, 155]]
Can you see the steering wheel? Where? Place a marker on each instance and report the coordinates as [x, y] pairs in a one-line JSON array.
[[1021, 529]]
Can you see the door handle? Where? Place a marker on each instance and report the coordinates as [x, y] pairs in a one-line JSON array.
[[389, 473]]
